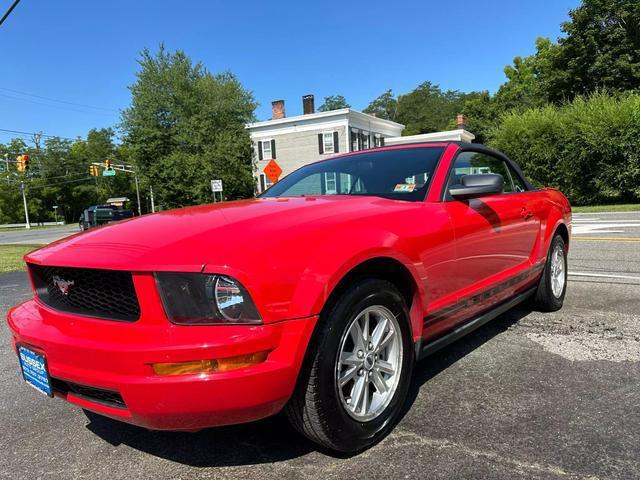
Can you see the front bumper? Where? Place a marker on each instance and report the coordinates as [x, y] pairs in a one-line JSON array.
[[117, 357]]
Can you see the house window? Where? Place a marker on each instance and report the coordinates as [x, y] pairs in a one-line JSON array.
[[377, 141], [330, 183], [365, 140], [328, 142], [354, 139], [327, 139], [265, 182], [267, 153], [345, 183]]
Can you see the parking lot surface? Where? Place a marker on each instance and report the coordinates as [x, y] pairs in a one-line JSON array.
[[530, 395]]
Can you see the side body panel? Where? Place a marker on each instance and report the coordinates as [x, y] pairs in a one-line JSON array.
[[501, 244]]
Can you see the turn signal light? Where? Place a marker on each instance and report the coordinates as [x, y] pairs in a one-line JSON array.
[[210, 366]]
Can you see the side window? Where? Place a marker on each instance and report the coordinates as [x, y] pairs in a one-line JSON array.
[[474, 163], [518, 183]]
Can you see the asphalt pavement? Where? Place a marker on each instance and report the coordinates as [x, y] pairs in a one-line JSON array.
[[530, 395], [36, 236]]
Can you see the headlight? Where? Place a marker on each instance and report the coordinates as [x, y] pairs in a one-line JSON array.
[[201, 299]]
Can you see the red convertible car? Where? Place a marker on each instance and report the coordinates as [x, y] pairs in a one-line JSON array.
[[318, 297]]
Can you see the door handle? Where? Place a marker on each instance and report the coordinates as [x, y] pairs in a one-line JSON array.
[[526, 213]]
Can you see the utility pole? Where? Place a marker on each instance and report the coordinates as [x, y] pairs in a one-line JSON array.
[[153, 205], [24, 201], [135, 176], [6, 162]]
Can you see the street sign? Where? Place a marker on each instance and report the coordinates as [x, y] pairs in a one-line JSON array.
[[108, 173], [216, 186], [273, 171]]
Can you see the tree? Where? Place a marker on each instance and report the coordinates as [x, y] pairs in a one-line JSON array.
[[530, 79], [333, 102], [185, 126], [428, 109], [482, 114], [601, 49], [385, 106]]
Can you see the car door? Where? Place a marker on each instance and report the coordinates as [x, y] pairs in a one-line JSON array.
[[495, 234]]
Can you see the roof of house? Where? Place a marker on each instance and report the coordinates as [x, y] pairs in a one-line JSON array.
[[320, 116]]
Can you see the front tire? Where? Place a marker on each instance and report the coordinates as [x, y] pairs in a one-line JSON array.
[[355, 378], [552, 287]]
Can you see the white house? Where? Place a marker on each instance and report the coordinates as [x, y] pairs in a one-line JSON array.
[[292, 142], [295, 141]]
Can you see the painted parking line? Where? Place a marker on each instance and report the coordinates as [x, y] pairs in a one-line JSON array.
[[607, 239], [602, 275]]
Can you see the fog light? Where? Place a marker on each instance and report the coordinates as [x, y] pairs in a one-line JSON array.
[[209, 366]]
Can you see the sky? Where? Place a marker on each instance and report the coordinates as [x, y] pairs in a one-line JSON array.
[[83, 54]]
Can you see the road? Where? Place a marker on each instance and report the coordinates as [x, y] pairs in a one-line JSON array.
[[530, 395], [36, 236]]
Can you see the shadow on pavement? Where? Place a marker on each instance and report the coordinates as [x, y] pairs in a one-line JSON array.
[[272, 439], [431, 366], [265, 441]]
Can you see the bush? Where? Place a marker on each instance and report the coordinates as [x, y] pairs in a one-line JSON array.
[[589, 148]]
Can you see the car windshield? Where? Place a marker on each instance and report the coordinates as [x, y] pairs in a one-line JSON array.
[[400, 174]]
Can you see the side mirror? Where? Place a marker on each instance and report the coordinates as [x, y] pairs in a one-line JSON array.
[[477, 185]]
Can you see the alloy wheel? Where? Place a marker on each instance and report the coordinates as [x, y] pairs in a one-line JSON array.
[[369, 363], [558, 267]]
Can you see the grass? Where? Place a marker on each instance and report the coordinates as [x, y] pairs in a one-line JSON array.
[[11, 257], [628, 207]]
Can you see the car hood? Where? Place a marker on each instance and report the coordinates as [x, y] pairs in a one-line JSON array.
[[187, 239]]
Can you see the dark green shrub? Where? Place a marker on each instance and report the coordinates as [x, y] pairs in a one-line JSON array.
[[589, 148]]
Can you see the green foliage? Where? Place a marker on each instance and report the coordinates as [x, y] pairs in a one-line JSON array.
[[185, 126], [59, 175], [385, 106], [530, 78], [333, 102], [600, 49], [589, 148], [481, 113], [428, 108]]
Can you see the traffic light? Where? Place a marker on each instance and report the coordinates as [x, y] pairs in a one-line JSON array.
[[23, 163], [93, 170], [107, 164]]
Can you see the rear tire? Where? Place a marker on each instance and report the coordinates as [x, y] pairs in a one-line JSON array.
[[333, 415], [552, 287]]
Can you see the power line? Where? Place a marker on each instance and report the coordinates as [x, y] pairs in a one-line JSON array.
[[61, 183], [55, 184], [4, 17], [31, 134], [72, 109], [57, 100]]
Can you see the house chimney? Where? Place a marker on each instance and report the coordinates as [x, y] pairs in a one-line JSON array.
[[460, 120], [308, 105], [277, 109]]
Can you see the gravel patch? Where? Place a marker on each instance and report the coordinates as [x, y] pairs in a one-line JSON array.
[[588, 347]]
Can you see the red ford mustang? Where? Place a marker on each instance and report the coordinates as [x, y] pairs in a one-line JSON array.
[[317, 297]]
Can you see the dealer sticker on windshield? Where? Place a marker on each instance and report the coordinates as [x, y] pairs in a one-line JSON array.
[[405, 187]]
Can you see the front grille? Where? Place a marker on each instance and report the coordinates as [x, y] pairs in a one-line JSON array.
[[97, 395], [96, 293]]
